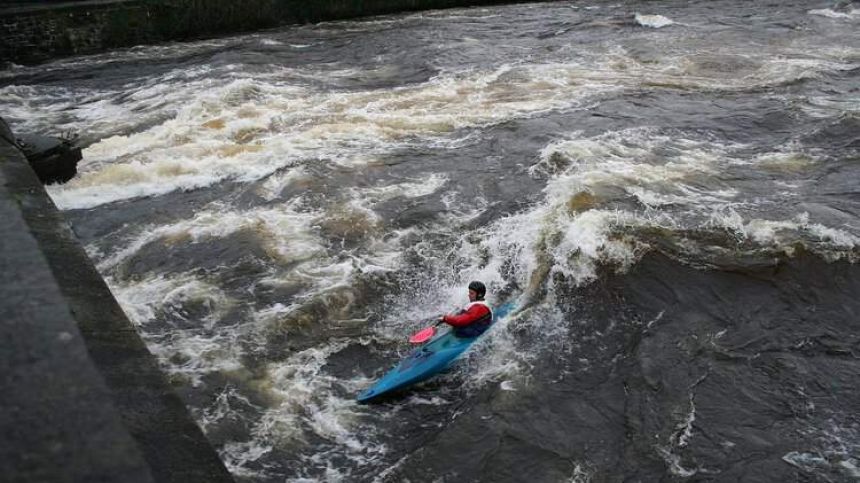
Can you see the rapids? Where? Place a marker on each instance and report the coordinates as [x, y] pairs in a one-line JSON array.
[[669, 189]]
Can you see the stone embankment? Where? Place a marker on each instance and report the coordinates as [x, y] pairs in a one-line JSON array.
[[32, 32], [81, 397]]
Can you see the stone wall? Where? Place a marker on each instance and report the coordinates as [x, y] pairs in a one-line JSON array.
[[81, 397], [34, 33]]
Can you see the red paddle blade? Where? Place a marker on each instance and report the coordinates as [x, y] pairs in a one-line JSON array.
[[423, 335]]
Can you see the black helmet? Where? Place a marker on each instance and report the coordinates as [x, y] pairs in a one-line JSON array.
[[479, 288]]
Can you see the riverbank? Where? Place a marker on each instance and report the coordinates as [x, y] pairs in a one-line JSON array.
[[83, 399], [32, 33]]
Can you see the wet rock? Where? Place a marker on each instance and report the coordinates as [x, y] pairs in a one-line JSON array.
[[54, 159]]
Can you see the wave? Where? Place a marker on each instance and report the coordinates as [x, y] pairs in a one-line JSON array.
[[653, 21], [830, 13], [242, 129], [611, 198]]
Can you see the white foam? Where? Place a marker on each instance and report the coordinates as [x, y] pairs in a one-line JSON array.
[[275, 184], [499, 358], [830, 13], [685, 428], [201, 353], [851, 467], [141, 300], [807, 461], [296, 382], [831, 106], [584, 237], [273, 313], [679, 439], [222, 409], [238, 455], [187, 345], [306, 400], [783, 232], [653, 21], [223, 125], [830, 445], [788, 69], [407, 189], [705, 71], [180, 154], [676, 467], [581, 474], [248, 129], [785, 161], [285, 232]]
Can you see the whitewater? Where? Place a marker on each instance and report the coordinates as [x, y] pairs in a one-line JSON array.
[[668, 190]]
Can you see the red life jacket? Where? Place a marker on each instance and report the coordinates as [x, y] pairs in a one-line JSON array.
[[473, 320]]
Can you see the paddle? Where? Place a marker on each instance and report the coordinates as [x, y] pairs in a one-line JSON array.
[[424, 334]]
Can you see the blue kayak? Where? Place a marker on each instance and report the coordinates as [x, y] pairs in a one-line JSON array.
[[426, 361]]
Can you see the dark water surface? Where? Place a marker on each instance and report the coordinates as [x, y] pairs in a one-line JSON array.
[[668, 189]]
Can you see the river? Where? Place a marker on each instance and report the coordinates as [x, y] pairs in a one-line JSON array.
[[667, 189]]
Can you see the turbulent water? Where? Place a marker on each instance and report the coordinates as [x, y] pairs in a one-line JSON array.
[[668, 190]]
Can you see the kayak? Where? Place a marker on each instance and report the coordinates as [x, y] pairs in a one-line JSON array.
[[426, 361]]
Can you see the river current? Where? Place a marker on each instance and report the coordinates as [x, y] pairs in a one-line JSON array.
[[667, 189]]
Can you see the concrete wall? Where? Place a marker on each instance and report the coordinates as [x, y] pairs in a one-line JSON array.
[[34, 33], [81, 398]]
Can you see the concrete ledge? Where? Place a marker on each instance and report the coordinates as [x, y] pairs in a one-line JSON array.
[[35, 33], [82, 397]]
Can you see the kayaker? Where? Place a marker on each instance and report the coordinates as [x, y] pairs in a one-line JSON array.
[[473, 319]]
